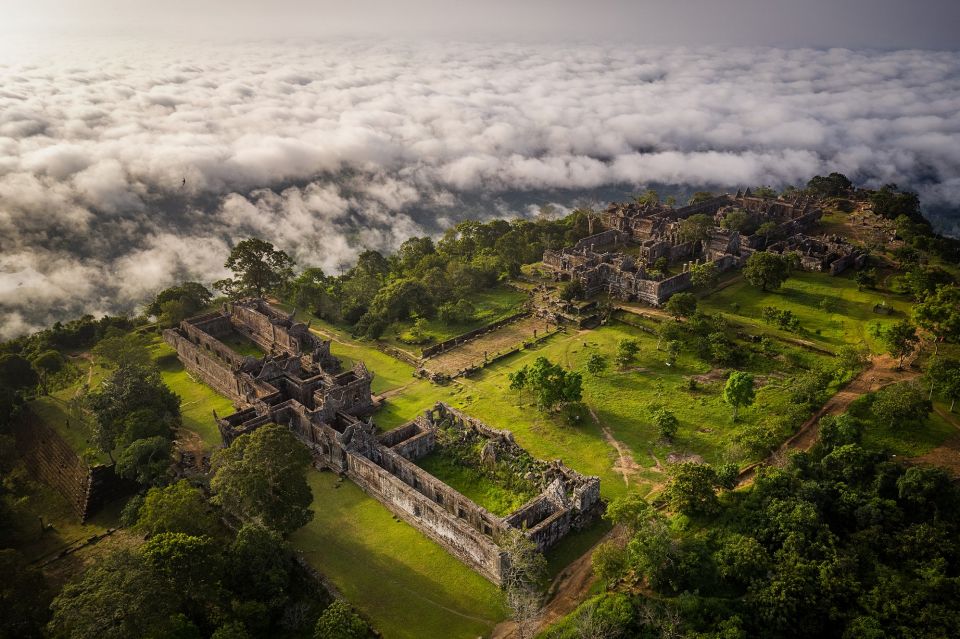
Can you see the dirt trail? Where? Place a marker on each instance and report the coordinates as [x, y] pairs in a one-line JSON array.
[[568, 591], [626, 465], [881, 372]]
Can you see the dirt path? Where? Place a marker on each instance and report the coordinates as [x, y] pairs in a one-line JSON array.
[[568, 591], [626, 465], [881, 372]]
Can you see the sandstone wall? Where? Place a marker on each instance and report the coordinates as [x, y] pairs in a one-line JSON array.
[[455, 532], [54, 462]]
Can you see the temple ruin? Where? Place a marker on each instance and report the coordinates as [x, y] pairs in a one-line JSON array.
[[299, 384], [620, 260]]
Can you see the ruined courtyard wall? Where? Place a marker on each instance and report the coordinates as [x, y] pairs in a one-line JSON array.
[[212, 370], [259, 328], [470, 546]]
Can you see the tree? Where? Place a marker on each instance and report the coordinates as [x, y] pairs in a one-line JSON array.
[[891, 203], [739, 391], [703, 276], [899, 405], [259, 564], [766, 270], [833, 185], [339, 621], [261, 477], [737, 220], [47, 364], [944, 377], [459, 312], [596, 364], [553, 384], [16, 373], [900, 339], [257, 269], [939, 313], [176, 508], [120, 348], [570, 291], [310, 290], [193, 296], [866, 278], [518, 381], [24, 597], [192, 565], [523, 580], [692, 489], [681, 305], [116, 598], [630, 511], [175, 304], [696, 228], [921, 281], [130, 388], [146, 461], [666, 422], [700, 197], [648, 198], [627, 350], [852, 358]]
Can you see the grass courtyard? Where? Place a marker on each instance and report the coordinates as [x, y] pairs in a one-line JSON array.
[[406, 584]]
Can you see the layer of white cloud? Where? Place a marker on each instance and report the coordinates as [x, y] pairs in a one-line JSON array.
[[327, 148]]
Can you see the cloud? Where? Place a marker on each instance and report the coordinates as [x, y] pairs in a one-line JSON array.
[[124, 167]]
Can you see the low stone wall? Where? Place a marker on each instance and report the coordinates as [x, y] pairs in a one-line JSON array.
[[55, 463], [446, 345]]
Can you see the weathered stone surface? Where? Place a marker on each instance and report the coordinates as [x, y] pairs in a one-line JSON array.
[[300, 386]]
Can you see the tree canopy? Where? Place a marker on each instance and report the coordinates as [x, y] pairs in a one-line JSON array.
[[258, 268], [261, 477]]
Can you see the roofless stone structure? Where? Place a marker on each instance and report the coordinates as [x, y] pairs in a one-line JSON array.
[[300, 384]]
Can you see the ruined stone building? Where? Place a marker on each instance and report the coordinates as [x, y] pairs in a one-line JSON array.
[[619, 261], [299, 384]]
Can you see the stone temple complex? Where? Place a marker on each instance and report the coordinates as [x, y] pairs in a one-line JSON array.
[[299, 384], [620, 260]]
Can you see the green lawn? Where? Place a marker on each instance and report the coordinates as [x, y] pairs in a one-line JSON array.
[[242, 345], [407, 585], [499, 500], [831, 305], [491, 306], [197, 400]]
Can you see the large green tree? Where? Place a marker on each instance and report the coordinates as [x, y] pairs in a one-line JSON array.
[[129, 389], [117, 598], [262, 477], [552, 384], [767, 270], [258, 268], [739, 391], [176, 508], [939, 313]]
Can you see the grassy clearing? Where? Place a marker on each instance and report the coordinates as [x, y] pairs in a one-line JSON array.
[[831, 309], [491, 306], [469, 482], [407, 585], [622, 400], [908, 441], [197, 400]]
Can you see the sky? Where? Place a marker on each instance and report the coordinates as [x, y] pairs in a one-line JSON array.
[[133, 154], [884, 24]]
